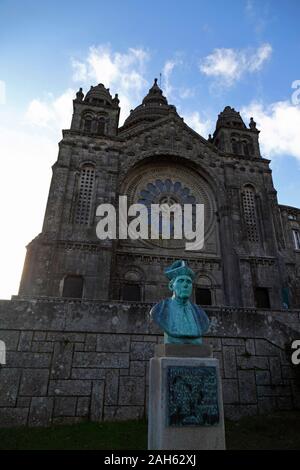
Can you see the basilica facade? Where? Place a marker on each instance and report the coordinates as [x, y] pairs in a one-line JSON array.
[[251, 252]]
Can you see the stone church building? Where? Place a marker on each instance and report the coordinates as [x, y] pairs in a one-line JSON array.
[[78, 336], [251, 253]]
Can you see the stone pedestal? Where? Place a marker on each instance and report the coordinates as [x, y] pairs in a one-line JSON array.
[[185, 399]]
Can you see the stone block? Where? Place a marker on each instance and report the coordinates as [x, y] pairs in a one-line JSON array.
[[229, 359], [39, 336], [233, 342], [253, 362], [115, 343], [34, 382], [123, 413], [236, 412], [288, 372], [42, 346], [79, 347], [66, 337], [102, 360], [273, 390], [266, 405], [90, 342], [97, 400], [83, 407], [28, 359], [230, 390], [65, 406], [262, 377], [132, 391], [250, 346], [70, 387], [10, 338], [25, 340], [215, 344], [88, 374], [141, 351], [40, 413], [284, 403], [265, 348], [247, 387], [23, 402], [111, 387], [275, 369], [13, 417], [9, 385], [62, 360], [137, 368]]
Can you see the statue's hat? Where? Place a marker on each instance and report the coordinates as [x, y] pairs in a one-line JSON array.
[[179, 268]]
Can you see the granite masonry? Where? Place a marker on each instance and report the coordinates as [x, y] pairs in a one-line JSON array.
[[69, 361]]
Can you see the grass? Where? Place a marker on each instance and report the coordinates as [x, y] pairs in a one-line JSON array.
[[280, 430]]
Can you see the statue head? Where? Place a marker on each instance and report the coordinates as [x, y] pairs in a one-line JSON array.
[[181, 280]]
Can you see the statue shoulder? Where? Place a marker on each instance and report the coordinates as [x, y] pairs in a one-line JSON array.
[[202, 317], [156, 312]]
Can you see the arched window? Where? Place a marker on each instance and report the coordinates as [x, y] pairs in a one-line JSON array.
[[85, 197], [88, 124], [101, 127], [250, 217], [203, 296], [235, 146], [73, 286], [203, 291], [131, 292]]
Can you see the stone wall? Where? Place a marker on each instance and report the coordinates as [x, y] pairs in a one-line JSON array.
[[70, 361]]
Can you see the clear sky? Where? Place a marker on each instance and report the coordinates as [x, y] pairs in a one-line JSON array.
[[242, 53]]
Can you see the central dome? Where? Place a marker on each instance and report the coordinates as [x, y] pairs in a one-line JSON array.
[[154, 106]]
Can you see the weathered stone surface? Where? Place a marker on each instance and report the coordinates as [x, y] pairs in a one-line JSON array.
[[23, 402], [62, 360], [229, 359], [275, 369], [252, 362], [10, 338], [262, 377], [11, 417], [123, 413], [28, 359], [41, 410], [284, 403], [137, 368], [9, 384], [247, 387], [88, 374], [34, 382], [112, 387], [83, 406], [39, 336], [132, 391], [70, 387], [104, 360], [25, 341], [230, 389], [90, 342], [273, 390], [141, 351], [236, 412], [121, 343], [65, 406], [42, 346], [97, 400], [266, 405], [265, 348]]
